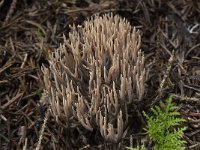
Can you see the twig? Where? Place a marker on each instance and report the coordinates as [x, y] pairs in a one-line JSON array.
[[19, 95], [185, 98], [42, 129], [10, 12], [1, 3], [166, 75]]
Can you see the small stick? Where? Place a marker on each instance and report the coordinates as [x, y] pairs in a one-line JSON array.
[[42, 130], [10, 12], [1, 3], [166, 75]]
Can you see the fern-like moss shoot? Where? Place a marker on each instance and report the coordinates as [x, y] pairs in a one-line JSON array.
[[162, 127]]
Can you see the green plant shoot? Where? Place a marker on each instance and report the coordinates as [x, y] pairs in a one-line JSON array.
[[162, 127]]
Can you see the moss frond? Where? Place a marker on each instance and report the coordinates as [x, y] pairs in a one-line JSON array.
[[162, 127]]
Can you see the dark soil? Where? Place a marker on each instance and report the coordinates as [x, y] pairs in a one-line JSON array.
[[30, 30]]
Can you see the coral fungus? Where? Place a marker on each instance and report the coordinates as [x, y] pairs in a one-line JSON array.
[[96, 74]]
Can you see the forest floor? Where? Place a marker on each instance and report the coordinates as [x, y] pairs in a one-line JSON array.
[[31, 29]]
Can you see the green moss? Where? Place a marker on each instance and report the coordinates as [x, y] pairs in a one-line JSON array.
[[162, 127]]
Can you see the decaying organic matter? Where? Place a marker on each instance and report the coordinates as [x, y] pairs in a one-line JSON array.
[[96, 74], [34, 29]]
